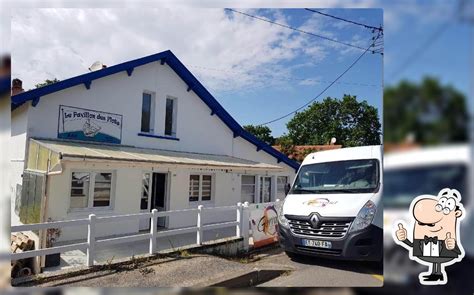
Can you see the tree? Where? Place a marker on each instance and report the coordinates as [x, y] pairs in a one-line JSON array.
[[429, 112], [261, 132], [46, 82], [286, 144], [351, 122]]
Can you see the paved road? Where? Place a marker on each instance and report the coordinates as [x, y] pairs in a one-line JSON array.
[[312, 272], [207, 270]]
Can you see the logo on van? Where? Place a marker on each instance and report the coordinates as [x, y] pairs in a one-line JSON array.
[[319, 202]]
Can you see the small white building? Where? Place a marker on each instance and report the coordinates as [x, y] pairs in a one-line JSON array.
[[128, 138]]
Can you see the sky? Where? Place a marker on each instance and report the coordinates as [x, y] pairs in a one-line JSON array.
[[256, 70]]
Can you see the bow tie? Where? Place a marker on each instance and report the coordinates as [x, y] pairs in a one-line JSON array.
[[433, 240]]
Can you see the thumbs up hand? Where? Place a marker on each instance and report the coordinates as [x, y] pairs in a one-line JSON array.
[[401, 233], [450, 242]]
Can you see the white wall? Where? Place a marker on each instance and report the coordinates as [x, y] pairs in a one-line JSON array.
[[197, 130], [17, 152], [127, 192]]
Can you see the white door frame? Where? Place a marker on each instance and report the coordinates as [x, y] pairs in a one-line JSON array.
[[144, 223]]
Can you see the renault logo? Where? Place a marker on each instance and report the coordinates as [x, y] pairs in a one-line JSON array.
[[314, 221]]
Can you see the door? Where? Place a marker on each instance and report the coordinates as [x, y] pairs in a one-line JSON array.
[[145, 199], [158, 196], [265, 189]]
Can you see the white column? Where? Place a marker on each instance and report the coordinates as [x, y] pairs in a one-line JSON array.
[[245, 229], [91, 240], [238, 227], [199, 225], [273, 190], [153, 228]]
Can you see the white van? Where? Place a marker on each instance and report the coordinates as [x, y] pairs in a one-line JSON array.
[[425, 171], [334, 206]]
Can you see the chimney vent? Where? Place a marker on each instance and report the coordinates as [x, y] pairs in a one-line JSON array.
[[17, 86]]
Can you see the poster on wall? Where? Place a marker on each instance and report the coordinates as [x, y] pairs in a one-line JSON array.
[[264, 224], [90, 125]]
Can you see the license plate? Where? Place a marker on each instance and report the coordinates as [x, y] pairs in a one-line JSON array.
[[316, 243]]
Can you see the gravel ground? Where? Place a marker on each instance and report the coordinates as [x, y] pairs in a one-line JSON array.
[[198, 270], [189, 271]]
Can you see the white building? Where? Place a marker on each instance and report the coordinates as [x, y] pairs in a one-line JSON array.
[[128, 138]]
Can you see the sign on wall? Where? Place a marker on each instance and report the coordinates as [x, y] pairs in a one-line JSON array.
[[264, 224], [83, 124]]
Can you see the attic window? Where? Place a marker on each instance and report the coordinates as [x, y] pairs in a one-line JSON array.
[[148, 111], [170, 116]]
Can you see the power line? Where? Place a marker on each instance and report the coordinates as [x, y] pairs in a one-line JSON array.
[[327, 87], [296, 29], [282, 78], [346, 20], [422, 48]]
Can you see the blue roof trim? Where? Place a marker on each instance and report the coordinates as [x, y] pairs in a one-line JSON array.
[[172, 61]]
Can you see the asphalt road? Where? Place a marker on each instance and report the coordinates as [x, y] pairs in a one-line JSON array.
[[317, 272], [200, 270]]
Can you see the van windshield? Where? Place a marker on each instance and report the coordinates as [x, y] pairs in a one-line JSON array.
[[402, 185], [353, 176]]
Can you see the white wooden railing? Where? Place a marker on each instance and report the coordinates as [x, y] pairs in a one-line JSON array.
[[241, 223]]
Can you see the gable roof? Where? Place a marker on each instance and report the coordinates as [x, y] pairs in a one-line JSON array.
[[173, 62]]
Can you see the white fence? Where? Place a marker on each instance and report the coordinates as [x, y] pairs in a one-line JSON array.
[[241, 223]]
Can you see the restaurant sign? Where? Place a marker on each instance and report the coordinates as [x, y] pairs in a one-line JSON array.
[[83, 124]]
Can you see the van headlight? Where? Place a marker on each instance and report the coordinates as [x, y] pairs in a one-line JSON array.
[[364, 217], [281, 218]]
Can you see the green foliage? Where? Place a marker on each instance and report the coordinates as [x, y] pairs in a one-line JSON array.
[[351, 122], [286, 144], [431, 112], [261, 132], [46, 82]]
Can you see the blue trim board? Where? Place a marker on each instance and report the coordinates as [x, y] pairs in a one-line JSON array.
[[158, 136], [173, 62]]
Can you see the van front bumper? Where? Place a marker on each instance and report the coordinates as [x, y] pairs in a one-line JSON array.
[[366, 244]]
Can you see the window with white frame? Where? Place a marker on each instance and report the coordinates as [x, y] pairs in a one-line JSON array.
[[248, 188], [282, 184], [146, 187], [170, 116], [148, 112], [200, 187], [91, 190]]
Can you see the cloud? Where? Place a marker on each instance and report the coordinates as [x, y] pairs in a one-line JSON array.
[[62, 43]]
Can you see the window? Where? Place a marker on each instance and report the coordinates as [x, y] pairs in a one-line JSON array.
[[282, 184], [265, 189], [102, 188], [80, 190], [148, 111], [200, 188], [98, 185], [248, 188], [206, 188], [146, 186], [170, 117], [194, 188]]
